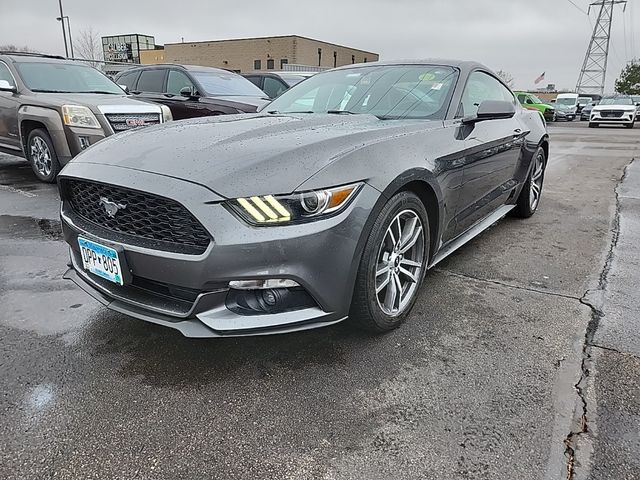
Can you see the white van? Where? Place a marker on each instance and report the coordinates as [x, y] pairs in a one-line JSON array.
[[567, 106]]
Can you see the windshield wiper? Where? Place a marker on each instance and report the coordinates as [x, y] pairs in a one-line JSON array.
[[273, 112], [340, 112], [40, 90], [101, 91]]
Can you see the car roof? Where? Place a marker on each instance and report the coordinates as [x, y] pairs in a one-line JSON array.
[[464, 65], [190, 68], [18, 57]]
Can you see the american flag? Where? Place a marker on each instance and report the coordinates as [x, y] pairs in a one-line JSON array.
[[540, 78]]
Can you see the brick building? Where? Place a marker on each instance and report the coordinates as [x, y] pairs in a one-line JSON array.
[[259, 54]]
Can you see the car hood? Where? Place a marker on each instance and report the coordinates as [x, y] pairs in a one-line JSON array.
[[90, 100], [598, 108], [242, 155]]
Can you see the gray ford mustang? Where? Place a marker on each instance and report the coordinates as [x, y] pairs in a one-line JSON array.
[[330, 204]]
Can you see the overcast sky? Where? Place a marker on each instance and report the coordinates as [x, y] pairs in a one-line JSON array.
[[523, 37]]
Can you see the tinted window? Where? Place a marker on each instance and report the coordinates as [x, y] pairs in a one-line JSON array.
[[176, 81], [480, 87], [255, 79], [273, 87], [522, 98], [151, 80], [616, 101], [128, 79], [5, 74], [65, 78], [394, 92]]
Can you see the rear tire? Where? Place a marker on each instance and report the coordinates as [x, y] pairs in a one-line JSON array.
[[531, 193], [42, 156], [391, 262]]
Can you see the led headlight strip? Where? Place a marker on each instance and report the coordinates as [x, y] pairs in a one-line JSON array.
[[265, 209]]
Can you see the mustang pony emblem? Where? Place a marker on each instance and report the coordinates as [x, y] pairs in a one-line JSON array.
[[111, 207]]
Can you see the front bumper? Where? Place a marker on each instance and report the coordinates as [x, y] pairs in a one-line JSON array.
[[322, 257], [625, 119], [562, 115]]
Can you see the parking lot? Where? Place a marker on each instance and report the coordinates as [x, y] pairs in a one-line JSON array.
[[479, 383]]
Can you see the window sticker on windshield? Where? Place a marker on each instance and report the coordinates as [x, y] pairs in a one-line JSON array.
[[427, 77], [436, 86]]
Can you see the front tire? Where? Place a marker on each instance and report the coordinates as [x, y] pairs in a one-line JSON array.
[[529, 198], [630, 125], [42, 156], [393, 265]]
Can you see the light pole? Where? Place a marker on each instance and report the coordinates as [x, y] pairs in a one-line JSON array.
[[64, 33], [69, 29]]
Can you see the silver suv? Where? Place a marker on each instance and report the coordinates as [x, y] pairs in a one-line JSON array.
[[52, 108]]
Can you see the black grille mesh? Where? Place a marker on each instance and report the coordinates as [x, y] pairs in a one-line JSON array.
[[146, 216]]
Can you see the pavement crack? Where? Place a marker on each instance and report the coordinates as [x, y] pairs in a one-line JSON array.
[[614, 350], [594, 299], [507, 285]]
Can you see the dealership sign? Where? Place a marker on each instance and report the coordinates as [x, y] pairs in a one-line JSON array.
[[115, 52]]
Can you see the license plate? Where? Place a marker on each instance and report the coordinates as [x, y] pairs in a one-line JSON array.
[[100, 260]]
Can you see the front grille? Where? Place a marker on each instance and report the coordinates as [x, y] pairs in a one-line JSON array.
[[121, 122], [150, 220], [611, 113]]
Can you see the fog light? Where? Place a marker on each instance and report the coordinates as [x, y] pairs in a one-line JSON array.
[[263, 284], [84, 142], [268, 301]]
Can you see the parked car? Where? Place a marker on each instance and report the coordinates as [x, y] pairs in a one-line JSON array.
[[636, 100], [294, 218], [191, 91], [583, 101], [531, 102], [274, 83], [585, 113], [567, 106], [616, 109], [51, 109]]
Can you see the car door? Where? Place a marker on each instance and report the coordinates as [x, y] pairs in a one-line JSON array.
[[182, 107], [273, 86], [150, 85], [493, 148], [9, 104]]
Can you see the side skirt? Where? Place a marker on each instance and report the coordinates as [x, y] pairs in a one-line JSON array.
[[473, 232]]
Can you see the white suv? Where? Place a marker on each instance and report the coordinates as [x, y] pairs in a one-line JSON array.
[[619, 110]]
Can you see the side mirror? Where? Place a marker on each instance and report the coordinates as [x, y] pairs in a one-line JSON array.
[[125, 88], [637, 104], [553, 101], [492, 110], [188, 92], [7, 87]]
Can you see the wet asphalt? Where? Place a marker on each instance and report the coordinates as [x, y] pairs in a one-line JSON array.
[[478, 384]]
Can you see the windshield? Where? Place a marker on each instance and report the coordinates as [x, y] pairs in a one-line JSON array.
[[221, 83], [584, 100], [566, 101], [616, 101], [65, 78], [403, 91], [535, 99], [636, 98]]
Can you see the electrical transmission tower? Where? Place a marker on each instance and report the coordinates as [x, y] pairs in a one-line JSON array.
[[594, 68]]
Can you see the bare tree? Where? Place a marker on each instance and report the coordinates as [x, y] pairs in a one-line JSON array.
[[506, 78], [88, 46], [13, 48]]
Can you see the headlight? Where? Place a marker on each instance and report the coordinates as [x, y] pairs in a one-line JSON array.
[[296, 208], [166, 113], [79, 116]]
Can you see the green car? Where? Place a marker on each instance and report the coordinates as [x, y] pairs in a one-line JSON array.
[[531, 102]]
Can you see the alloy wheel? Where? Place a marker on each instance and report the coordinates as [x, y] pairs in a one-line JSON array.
[[41, 156], [536, 181], [399, 263]]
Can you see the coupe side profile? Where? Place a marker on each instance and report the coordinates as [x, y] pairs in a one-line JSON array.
[[329, 204]]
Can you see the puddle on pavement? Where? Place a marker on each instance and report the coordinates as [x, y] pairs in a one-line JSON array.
[[20, 227]]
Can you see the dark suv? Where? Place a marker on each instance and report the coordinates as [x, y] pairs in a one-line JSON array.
[[191, 91], [52, 108]]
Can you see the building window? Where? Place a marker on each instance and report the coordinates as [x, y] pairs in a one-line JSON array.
[[365, 59], [283, 62], [319, 57], [257, 64], [335, 59], [353, 59], [270, 64]]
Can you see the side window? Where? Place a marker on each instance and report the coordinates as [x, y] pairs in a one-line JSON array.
[[255, 79], [151, 80], [128, 79], [522, 98], [273, 87], [5, 74], [177, 81], [480, 87]]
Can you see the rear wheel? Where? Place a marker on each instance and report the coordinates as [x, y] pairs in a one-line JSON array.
[[393, 265], [529, 198], [42, 156]]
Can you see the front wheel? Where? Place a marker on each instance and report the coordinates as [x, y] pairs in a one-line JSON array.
[[630, 125], [393, 265], [529, 198], [42, 156]]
